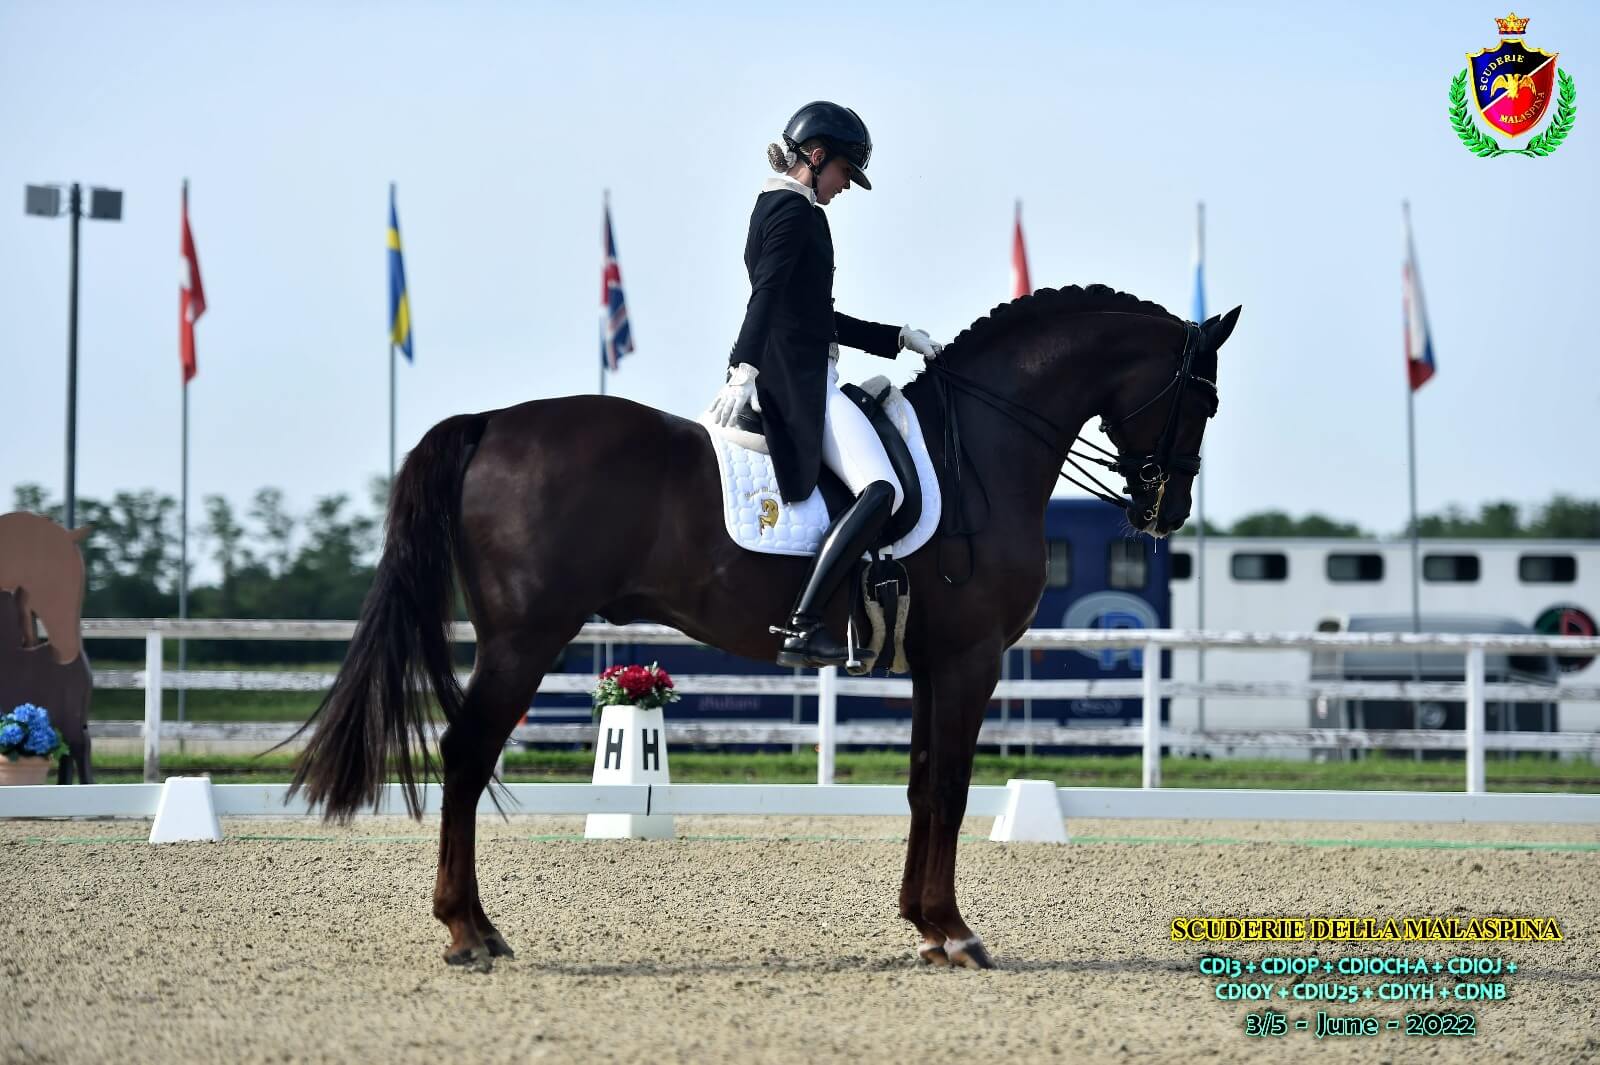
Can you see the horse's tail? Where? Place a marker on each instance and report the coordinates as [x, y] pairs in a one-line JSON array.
[[378, 707]]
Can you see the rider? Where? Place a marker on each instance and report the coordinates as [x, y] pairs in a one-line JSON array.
[[790, 339]]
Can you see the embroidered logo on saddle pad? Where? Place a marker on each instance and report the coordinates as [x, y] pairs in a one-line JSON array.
[[758, 519]]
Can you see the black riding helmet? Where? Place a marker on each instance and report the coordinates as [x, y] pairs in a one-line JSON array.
[[841, 131]]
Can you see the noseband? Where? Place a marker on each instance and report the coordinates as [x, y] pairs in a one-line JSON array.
[[1150, 471]]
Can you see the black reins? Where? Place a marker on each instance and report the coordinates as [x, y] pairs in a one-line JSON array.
[[1152, 470]]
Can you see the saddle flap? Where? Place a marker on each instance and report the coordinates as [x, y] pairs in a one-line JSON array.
[[905, 519]]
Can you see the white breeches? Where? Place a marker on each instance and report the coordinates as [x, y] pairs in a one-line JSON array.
[[850, 446]]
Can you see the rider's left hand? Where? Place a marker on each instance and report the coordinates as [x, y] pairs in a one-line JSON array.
[[919, 342]]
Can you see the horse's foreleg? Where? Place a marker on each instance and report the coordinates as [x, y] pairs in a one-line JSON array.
[[496, 699], [931, 948], [961, 689]]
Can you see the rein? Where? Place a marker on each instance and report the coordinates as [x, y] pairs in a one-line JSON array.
[[1152, 469]]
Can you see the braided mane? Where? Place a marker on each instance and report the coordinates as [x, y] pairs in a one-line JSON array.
[[1050, 303]]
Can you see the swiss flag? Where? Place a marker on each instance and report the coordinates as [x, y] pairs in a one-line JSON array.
[[1020, 285], [191, 295]]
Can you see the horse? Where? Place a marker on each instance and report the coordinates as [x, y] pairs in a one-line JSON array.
[[552, 511]]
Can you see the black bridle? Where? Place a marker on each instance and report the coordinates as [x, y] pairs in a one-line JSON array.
[[1150, 471]]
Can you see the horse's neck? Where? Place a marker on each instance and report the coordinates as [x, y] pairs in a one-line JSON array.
[[1013, 461]]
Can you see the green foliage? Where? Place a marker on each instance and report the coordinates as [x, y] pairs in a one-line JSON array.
[[274, 564], [1277, 523], [1563, 518], [1477, 142], [1542, 143]]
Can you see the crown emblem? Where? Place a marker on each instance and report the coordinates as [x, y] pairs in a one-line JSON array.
[[1511, 25]]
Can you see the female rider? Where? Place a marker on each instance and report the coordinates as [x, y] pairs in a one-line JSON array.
[[785, 362]]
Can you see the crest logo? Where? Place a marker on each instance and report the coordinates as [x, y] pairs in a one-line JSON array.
[[769, 514], [1513, 86]]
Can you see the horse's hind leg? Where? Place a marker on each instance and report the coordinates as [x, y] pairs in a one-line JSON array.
[[504, 679], [931, 947]]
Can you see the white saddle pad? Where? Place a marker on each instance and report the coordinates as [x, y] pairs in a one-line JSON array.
[[757, 517]]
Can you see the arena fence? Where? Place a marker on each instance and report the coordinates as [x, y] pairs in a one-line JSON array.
[[827, 687], [809, 800]]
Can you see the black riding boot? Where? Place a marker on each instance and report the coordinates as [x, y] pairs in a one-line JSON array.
[[808, 642]]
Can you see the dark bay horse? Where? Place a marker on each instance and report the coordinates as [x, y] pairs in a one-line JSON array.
[[555, 510]]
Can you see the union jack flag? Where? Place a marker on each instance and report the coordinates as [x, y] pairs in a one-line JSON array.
[[616, 336]]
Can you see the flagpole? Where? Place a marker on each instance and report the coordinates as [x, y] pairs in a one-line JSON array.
[[183, 551], [391, 414], [1411, 449], [183, 517], [1199, 477], [1411, 469], [605, 215]]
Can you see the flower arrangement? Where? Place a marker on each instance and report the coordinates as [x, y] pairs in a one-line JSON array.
[[26, 732], [646, 686]]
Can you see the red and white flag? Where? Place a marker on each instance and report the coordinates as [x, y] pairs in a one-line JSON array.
[[1419, 341], [1020, 285], [191, 295]]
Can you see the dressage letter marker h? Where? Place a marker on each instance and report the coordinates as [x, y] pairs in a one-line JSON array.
[[630, 748]]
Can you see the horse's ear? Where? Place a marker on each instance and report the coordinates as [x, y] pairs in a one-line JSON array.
[[78, 535], [1218, 330]]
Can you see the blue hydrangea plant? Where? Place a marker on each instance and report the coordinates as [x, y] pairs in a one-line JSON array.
[[27, 732]]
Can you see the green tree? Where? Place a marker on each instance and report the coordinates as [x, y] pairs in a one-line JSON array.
[[1567, 519], [277, 529]]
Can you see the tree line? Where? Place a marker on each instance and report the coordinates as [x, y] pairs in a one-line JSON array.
[[269, 562], [1562, 518], [317, 564]]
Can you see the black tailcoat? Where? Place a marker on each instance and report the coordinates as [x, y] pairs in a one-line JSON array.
[[788, 325]]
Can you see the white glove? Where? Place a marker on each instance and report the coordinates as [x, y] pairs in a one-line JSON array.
[[919, 342], [740, 390]]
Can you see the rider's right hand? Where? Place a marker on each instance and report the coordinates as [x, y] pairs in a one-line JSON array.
[[739, 391]]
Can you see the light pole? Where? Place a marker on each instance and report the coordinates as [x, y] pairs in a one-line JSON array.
[[104, 205]]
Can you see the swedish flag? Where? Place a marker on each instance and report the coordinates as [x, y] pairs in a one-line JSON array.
[[399, 305]]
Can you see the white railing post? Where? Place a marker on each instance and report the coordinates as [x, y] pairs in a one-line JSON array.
[[1152, 717], [827, 718], [152, 707], [1474, 724]]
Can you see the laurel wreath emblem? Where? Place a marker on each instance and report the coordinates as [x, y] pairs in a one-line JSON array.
[[1485, 146]]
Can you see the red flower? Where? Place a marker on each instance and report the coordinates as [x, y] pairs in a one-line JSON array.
[[637, 682]]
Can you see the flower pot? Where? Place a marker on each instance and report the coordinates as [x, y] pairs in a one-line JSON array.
[[28, 769]]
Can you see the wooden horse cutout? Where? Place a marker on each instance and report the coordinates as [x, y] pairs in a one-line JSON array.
[[42, 576]]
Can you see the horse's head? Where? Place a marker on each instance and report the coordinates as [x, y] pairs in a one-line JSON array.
[[1156, 416]]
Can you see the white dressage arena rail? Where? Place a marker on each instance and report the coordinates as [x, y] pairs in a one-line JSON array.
[[827, 686], [847, 800]]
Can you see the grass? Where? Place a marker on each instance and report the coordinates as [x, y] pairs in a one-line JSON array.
[[1391, 773]]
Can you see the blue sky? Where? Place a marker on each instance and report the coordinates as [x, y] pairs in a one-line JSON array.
[[1302, 128]]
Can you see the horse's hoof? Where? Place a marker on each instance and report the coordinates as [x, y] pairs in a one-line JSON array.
[[476, 958], [933, 954], [498, 947], [968, 953]]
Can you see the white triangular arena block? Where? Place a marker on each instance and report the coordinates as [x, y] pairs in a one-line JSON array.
[[630, 747], [1033, 814], [186, 812]]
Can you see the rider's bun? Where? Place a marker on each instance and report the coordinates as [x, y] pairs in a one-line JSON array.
[[781, 158]]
